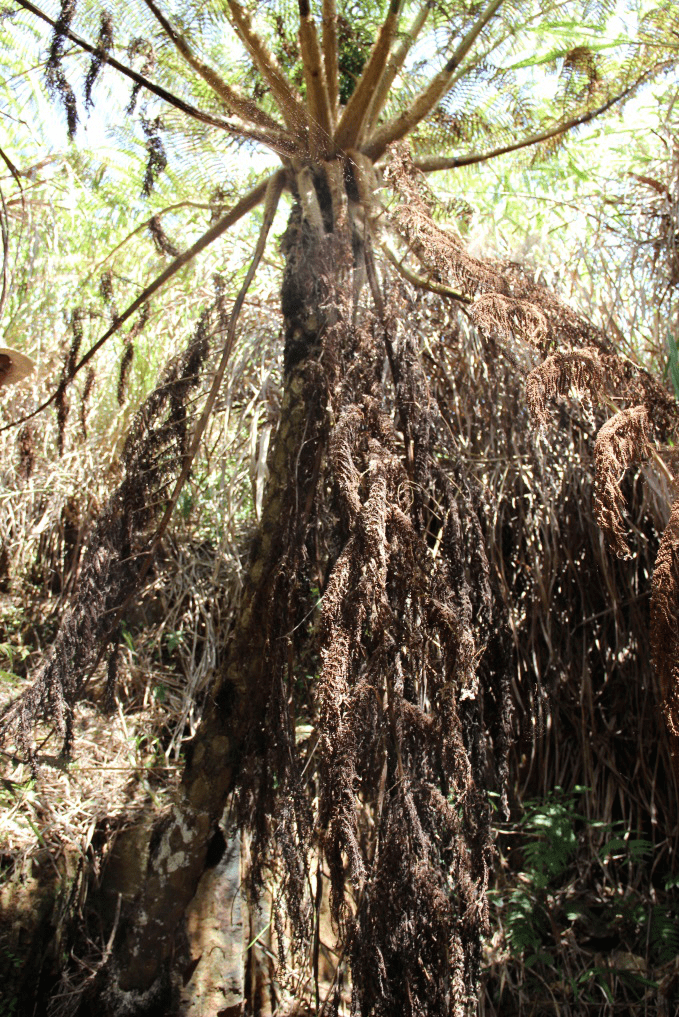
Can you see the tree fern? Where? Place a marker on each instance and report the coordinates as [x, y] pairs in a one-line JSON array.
[[348, 102]]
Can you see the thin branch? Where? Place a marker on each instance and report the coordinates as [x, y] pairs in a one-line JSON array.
[[246, 204], [314, 75], [282, 144], [4, 224], [442, 162], [373, 281], [31, 171], [238, 104], [4, 233], [289, 103], [351, 121], [144, 225], [427, 100], [16, 173], [396, 63], [330, 54], [421, 282]]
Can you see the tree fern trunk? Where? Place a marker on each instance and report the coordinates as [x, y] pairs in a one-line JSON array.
[[138, 972]]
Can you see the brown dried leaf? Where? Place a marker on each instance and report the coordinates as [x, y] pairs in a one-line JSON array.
[[511, 318], [665, 619], [622, 441], [581, 371]]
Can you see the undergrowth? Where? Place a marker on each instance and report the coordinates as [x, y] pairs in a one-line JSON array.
[[583, 918]]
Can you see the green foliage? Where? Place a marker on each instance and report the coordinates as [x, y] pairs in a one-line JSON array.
[[354, 44], [663, 934], [596, 219], [525, 926], [551, 825], [541, 905], [673, 362], [548, 841]]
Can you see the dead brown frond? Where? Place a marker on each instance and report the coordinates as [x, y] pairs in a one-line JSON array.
[[124, 370], [577, 371], [438, 250], [623, 441], [161, 241], [388, 693], [114, 555], [665, 621], [57, 82], [510, 318], [506, 300]]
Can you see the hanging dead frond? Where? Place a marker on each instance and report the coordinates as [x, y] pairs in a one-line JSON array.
[[115, 552], [623, 441], [157, 157], [62, 407], [26, 446], [104, 46], [57, 82], [499, 315], [141, 303], [578, 371], [77, 318], [510, 303], [140, 48], [440, 252], [125, 364], [398, 710], [665, 621], [580, 73], [85, 399], [161, 241], [108, 296], [141, 322]]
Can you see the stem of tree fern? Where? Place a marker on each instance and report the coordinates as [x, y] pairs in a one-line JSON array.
[[355, 111], [293, 111], [435, 163], [395, 65], [427, 100], [317, 91], [330, 54], [238, 104], [232, 720], [421, 282]]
